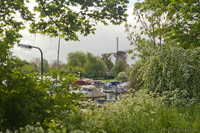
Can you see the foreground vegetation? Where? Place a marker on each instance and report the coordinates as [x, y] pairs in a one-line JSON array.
[[141, 111]]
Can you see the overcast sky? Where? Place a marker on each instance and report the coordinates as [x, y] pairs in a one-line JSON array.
[[103, 41]]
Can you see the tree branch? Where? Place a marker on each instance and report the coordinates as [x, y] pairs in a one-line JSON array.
[[48, 14]]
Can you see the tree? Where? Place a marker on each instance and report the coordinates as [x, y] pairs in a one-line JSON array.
[[164, 24], [10, 80], [45, 66], [183, 24], [57, 18], [148, 32], [94, 67], [120, 66], [63, 21], [64, 71], [54, 64], [27, 67], [107, 60], [36, 64], [76, 59]]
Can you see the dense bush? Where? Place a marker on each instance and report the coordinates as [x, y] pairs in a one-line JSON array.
[[171, 69], [122, 77], [26, 99]]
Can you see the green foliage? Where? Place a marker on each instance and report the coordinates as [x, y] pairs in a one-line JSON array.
[[59, 64], [120, 66], [29, 129], [107, 60], [174, 72], [27, 67], [183, 23], [164, 23], [173, 68], [122, 76], [148, 33], [135, 77], [45, 66], [94, 67], [57, 18], [9, 31], [108, 80], [27, 100], [36, 63], [87, 64], [63, 71], [35, 66], [76, 59], [23, 65], [66, 18], [9, 28], [128, 70], [78, 70], [142, 111]]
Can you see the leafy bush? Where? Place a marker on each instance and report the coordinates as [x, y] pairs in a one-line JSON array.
[[173, 68], [25, 99], [122, 77]]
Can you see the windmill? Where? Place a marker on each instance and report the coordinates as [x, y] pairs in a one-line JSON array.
[[118, 54]]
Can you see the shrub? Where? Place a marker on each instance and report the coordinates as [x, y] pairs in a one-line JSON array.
[[122, 77], [25, 99], [173, 68]]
